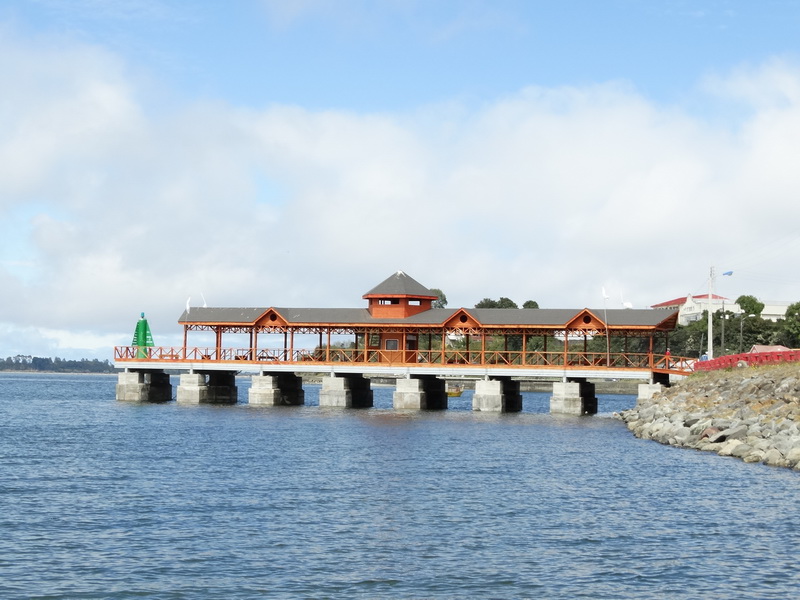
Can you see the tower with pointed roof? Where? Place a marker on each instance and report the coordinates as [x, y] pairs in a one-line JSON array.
[[399, 296]]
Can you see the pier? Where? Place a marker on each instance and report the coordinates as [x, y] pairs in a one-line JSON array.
[[400, 335]]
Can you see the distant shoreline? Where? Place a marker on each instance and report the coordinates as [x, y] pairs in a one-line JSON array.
[[33, 372]]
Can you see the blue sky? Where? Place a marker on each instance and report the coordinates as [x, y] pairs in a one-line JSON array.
[[264, 152], [399, 55]]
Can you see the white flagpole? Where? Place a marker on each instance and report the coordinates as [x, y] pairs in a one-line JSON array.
[[710, 326]]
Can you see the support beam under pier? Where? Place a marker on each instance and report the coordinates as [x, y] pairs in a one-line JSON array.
[[276, 389], [144, 386], [346, 391], [420, 392], [573, 397], [213, 387], [500, 394], [658, 383]]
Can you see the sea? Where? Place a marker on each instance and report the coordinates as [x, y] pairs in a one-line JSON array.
[[108, 499]]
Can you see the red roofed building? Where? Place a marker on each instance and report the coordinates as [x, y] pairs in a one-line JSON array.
[[691, 307]]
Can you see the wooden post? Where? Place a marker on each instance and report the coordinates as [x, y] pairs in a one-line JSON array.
[[524, 347], [585, 347], [544, 350]]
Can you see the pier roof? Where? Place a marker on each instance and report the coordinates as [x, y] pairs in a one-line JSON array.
[[488, 317], [400, 286]]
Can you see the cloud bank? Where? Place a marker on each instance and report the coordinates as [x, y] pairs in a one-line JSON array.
[[112, 204]]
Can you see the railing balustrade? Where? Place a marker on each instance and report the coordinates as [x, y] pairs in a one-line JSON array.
[[450, 357]]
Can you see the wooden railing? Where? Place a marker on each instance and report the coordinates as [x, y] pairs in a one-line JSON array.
[[328, 356]]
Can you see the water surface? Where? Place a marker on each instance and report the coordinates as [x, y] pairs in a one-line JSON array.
[[103, 499]]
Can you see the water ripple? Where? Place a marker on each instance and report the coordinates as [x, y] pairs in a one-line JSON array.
[[112, 500]]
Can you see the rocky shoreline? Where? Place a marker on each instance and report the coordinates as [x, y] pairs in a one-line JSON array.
[[751, 413]]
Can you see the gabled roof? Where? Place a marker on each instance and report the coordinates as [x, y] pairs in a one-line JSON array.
[[683, 299], [399, 285], [762, 348], [486, 317], [516, 316], [221, 315]]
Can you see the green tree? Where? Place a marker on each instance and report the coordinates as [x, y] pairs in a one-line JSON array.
[[486, 303], [530, 304], [691, 339], [506, 303], [750, 305], [42, 364], [441, 302], [502, 303], [791, 325]]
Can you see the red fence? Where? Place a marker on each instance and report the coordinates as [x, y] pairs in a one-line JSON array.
[[747, 359]]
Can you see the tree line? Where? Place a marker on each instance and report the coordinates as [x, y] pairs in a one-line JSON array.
[[732, 333], [737, 333], [55, 365], [503, 302]]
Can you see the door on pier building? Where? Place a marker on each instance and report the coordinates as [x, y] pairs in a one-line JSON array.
[[411, 348], [398, 348], [391, 349]]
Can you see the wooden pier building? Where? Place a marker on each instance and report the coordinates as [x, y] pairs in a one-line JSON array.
[[400, 334]]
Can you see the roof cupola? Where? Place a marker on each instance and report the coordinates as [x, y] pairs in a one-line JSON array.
[[399, 296]]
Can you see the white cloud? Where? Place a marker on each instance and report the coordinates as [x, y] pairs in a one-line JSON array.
[[547, 194]]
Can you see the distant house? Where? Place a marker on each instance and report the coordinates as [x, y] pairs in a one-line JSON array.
[[774, 310], [690, 308], [761, 348]]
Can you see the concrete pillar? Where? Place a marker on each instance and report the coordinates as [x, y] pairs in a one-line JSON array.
[[192, 388], [144, 386], [213, 387], [425, 392], [277, 389], [497, 395], [648, 390], [346, 391], [573, 397], [131, 386]]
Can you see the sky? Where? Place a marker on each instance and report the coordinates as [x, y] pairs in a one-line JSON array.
[[156, 154]]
